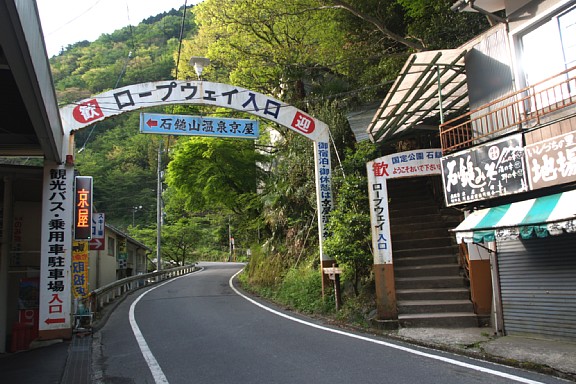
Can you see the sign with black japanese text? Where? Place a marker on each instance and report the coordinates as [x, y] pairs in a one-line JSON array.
[[198, 126], [145, 95], [487, 171], [552, 162]]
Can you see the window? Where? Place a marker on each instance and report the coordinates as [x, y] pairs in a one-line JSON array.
[[550, 48], [547, 52], [111, 246]]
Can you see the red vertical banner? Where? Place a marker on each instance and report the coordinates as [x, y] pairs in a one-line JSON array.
[[83, 208]]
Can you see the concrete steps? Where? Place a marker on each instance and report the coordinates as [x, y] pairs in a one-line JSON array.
[[432, 294], [439, 320], [430, 289]]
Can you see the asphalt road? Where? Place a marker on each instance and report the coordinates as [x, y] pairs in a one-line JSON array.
[[200, 329]]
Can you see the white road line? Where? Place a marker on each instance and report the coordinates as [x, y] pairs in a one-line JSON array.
[[155, 369], [386, 344]]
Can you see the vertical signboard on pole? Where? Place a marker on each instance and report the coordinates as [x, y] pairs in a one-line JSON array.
[[323, 189], [55, 250], [83, 208]]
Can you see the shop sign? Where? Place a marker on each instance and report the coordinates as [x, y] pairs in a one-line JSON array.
[[484, 172], [80, 269], [83, 208], [552, 162]]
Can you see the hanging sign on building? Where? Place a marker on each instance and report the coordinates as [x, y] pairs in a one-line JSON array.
[[421, 162], [198, 126], [55, 250], [80, 269], [484, 172], [97, 242], [552, 162], [83, 208]]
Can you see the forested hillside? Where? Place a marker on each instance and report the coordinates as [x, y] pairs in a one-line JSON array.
[[324, 56]]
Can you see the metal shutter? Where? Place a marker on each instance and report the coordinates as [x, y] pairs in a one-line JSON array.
[[538, 286]]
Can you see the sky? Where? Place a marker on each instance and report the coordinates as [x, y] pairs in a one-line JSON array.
[[66, 22]]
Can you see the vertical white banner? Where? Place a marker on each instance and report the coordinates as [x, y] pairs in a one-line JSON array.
[[56, 247], [379, 215], [414, 163], [323, 190]]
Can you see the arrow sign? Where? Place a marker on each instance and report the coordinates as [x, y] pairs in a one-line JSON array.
[[96, 244], [55, 321], [152, 123]]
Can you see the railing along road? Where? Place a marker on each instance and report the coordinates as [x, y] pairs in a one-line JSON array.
[[100, 297]]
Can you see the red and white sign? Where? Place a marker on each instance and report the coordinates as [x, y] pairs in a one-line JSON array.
[[303, 123], [97, 244], [87, 111], [56, 247]]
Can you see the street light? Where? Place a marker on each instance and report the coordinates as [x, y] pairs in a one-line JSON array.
[[134, 209], [199, 63]]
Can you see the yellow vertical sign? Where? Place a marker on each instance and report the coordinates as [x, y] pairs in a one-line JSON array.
[[80, 269]]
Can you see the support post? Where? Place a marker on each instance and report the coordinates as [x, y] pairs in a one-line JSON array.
[[159, 211], [4, 257]]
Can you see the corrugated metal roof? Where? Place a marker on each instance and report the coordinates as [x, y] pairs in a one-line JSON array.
[[415, 97], [360, 119]]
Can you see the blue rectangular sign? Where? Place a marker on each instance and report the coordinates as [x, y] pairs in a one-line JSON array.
[[198, 126]]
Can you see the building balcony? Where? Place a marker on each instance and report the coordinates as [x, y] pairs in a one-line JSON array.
[[535, 106]]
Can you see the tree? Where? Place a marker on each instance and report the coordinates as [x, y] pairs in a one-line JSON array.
[[350, 237], [215, 173]]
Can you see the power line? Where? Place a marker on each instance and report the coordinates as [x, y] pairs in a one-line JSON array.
[[180, 39]]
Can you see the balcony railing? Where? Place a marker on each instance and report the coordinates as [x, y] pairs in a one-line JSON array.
[[526, 108]]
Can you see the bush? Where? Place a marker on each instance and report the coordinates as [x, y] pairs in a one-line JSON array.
[[302, 289]]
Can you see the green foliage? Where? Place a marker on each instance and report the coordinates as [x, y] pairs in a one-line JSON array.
[[349, 225], [299, 287], [215, 173], [265, 270], [127, 56]]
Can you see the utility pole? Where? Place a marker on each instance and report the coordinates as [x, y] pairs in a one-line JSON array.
[[229, 240], [159, 210]]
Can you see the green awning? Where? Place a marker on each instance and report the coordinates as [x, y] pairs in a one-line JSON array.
[[540, 217]]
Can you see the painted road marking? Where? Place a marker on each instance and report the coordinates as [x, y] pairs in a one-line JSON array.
[[384, 343]]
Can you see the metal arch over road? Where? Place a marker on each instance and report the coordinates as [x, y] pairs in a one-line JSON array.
[[170, 92], [163, 93]]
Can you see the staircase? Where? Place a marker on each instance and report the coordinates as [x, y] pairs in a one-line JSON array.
[[431, 291]]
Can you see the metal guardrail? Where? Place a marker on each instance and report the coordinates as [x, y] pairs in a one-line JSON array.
[[513, 112], [100, 297]]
